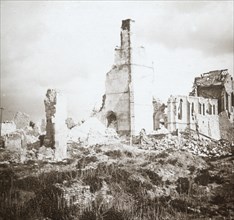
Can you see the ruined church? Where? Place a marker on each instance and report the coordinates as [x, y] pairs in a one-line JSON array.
[[128, 104]]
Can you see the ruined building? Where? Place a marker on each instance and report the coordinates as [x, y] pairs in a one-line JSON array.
[[127, 103], [209, 109], [218, 85], [56, 128]]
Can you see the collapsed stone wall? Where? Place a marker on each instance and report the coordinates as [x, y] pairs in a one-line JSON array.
[[56, 128]]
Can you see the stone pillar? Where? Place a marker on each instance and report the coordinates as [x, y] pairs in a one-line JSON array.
[[56, 128]]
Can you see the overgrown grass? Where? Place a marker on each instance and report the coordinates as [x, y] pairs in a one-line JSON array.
[[132, 186]]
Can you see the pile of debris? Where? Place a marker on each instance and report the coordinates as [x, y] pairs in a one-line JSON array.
[[93, 132], [203, 147]]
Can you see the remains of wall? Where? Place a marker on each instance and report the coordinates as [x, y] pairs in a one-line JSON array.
[[15, 141], [226, 127], [16, 144], [8, 127], [159, 115], [117, 98], [194, 113], [128, 96], [21, 120], [209, 126], [56, 128]]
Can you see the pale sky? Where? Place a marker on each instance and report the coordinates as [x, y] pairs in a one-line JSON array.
[[69, 45]]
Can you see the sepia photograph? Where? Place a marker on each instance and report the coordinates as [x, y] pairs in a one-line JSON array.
[[116, 110]]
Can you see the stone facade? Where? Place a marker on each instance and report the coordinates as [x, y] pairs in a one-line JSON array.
[[56, 128], [127, 103], [195, 113]]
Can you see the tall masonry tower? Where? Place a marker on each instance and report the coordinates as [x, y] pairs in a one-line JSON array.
[[127, 103]]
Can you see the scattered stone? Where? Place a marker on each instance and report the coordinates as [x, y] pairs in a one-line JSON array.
[[45, 153]]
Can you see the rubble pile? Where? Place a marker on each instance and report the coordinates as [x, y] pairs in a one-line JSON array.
[[203, 147], [32, 134], [45, 153], [93, 132]]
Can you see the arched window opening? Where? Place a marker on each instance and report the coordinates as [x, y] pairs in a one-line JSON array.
[[214, 110], [226, 101], [209, 108], [180, 109], [192, 109], [232, 99], [111, 119], [199, 108]]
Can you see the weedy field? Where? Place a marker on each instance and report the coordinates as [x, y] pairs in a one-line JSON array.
[[119, 182]]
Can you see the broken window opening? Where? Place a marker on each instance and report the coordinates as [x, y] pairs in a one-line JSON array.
[[203, 109], [192, 110], [111, 120], [232, 96], [226, 101], [180, 110], [199, 110], [209, 109], [219, 105], [214, 110]]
